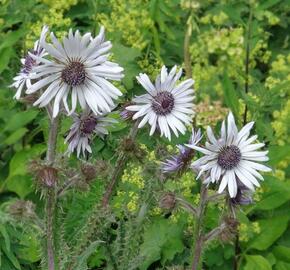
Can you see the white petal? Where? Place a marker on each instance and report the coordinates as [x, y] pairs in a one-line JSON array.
[[223, 183]]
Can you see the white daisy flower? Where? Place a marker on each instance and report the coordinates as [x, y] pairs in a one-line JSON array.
[[78, 67], [84, 128], [179, 162], [23, 80], [167, 105], [232, 158]]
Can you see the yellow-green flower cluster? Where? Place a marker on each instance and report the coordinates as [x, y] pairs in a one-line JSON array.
[[151, 69], [190, 4], [218, 19], [209, 113], [281, 124], [53, 17], [131, 18], [279, 80], [247, 231], [131, 178], [270, 16], [227, 47]]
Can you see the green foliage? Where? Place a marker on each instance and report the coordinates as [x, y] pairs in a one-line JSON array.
[[257, 262], [134, 233], [162, 241]]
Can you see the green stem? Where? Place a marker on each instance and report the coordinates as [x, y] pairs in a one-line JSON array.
[[187, 56], [120, 164], [199, 236], [247, 64], [50, 203]]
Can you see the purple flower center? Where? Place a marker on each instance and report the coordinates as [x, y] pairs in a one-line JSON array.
[[74, 73], [229, 157], [28, 64], [88, 125], [163, 103]]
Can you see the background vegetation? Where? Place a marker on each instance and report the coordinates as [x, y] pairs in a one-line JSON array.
[[214, 41]]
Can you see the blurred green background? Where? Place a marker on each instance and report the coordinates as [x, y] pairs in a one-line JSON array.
[[147, 34]]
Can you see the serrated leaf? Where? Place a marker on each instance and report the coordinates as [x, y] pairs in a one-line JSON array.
[[20, 184], [230, 94], [281, 266], [282, 253], [126, 56], [271, 230], [5, 57], [277, 153], [11, 38], [162, 240], [30, 250], [254, 262], [18, 164], [276, 193], [6, 237], [15, 136], [82, 259], [11, 258], [20, 119]]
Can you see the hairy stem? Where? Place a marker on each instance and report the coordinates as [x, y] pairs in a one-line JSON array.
[[247, 61], [120, 164], [199, 236], [247, 64], [186, 205], [187, 56], [50, 203], [214, 233]]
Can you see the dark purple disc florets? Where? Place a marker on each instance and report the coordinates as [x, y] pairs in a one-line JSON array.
[[74, 73], [163, 103], [229, 157], [88, 125]]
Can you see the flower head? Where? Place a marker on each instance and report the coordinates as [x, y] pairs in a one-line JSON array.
[[23, 78], [78, 67], [243, 196], [232, 158], [83, 129], [126, 114], [166, 105], [179, 162]]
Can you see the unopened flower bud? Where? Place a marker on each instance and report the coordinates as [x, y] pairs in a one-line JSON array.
[[243, 196], [167, 201], [89, 171], [29, 99], [230, 229], [21, 209], [47, 176], [128, 145], [126, 114]]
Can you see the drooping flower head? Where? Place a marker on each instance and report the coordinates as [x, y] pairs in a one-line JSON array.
[[244, 195], [84, 128], [180, 161], [232, 158], [167, 105], [78, 67], [23, 79], [126, 114]]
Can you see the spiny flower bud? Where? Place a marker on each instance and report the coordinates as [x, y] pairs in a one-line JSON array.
[[128, 145], [167, 201], [47, 176], [89, 171], [126, 114], [29, 99], [243, 196], [230, 229], [22, 209]]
